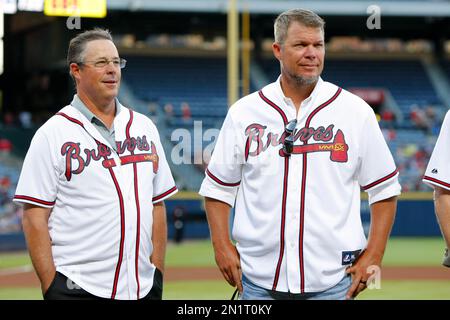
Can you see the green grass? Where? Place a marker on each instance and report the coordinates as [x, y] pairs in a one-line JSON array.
[[12, 260], [414, 252], [20, 294], [190, 254], [409, 290], [198, 290]]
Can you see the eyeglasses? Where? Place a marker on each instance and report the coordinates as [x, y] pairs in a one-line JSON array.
[[288, 144], [117, 62]]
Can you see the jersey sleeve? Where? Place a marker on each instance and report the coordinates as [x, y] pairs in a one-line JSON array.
[[223, 175], [163, 183], [38, 182], [378, 175], [438, 169]]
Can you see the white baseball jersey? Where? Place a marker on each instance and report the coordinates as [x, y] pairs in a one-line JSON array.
[[102, 201], [438, 169], [297, 221]]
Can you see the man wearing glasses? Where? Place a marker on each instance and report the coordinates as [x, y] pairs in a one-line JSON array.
[[93, 184], [292, 159]]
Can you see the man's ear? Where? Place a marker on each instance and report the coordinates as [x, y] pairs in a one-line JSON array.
[[75, 70], [276, 48]]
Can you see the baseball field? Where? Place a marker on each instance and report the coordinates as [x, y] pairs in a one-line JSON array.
[[412, 271]]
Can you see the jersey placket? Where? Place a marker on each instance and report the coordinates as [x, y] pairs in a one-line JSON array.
[[125, 175], [292, 224], [130, 239], [294, 249]]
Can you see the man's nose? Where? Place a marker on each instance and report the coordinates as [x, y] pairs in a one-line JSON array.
[[110, 67], [310, 52]]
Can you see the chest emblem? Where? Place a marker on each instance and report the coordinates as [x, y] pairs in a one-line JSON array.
[[76, 160], [258, 141]]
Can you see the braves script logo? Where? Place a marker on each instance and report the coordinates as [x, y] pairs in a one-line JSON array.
[[75, 158], [256, 143]]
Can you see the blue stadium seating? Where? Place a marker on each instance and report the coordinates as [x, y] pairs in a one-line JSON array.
[[9, 220], [406, 79], [411, 150], [187, 79], [13, 174]]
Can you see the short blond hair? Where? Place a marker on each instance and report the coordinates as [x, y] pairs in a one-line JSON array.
[[302, 16]]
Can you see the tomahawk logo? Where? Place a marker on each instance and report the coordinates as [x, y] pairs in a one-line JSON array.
[[338, 148]]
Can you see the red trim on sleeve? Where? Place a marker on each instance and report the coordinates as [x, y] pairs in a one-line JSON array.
[[442, 183], [171, 190], [225, 184], [47, 203], [373, 184]]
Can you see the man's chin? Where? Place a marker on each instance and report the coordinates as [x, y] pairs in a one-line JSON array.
[[113, 91], [304, 81]]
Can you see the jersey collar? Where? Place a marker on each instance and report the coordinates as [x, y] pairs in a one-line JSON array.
[[80, 106], [288, 101]]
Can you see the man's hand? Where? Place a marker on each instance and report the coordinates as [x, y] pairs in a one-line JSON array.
[[227, 258], [382, 219], [359, 273]]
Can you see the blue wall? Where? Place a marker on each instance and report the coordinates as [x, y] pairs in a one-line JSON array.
[[12, 242], [196, 226], [414, 218]]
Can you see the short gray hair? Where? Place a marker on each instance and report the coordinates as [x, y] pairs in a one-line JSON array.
[[302, 16], [77, 45]]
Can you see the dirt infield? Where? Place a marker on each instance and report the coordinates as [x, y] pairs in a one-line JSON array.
[[29, 278]]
